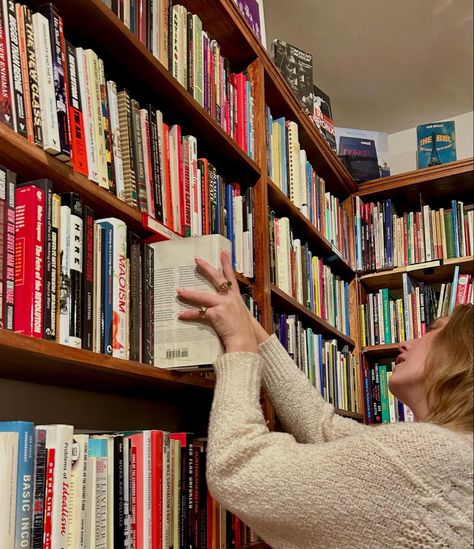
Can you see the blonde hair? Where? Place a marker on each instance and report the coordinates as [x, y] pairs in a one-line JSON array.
[[449, 367]]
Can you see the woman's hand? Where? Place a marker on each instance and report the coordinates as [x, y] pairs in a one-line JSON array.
[[225, 310]]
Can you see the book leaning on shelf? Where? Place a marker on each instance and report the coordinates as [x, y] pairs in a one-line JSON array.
[[381, 405], [305, 277], [331, 369], [289, 168], [385, 239], [393, 316], [145, 488], [88, 282]]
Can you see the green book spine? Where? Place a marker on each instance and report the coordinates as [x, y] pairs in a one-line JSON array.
[[386, 316], [448, 223], [384, 393]]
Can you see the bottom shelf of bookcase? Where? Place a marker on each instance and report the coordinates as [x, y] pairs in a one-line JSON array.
[[381, 351], [256, 545], [25, 358]]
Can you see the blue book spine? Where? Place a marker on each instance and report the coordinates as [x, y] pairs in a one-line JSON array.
[[454, 289], [454, 206], [98, 447], [229, 205], [401, 411], [107, 289], [310, 190], [24, 491]]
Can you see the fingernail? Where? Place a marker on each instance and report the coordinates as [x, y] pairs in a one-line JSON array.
[[178, 290], [197, 259]]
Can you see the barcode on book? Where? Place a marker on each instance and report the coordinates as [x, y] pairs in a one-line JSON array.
[[177, 353]]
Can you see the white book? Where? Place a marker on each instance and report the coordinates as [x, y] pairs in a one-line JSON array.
[[126, 13], [176, 44], [294, 164], [60, 438], [146, 146], [304, 184], [119, 285], [44, 63], [8, 487], [198, 76], [298, 275], [93, 69], [155, 28], [110, 488], [90, 511], [238, 234], [283, 249], [77, 493], [183, 344], [409, 416], [250, 264], [176, 199], [116, 143], [65, 274], [85, 88]]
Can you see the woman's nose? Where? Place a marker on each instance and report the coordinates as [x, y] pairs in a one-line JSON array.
[[405, 345]]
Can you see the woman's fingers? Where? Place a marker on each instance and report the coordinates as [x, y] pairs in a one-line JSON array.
[[192, 314], [229, 271], [200, 298], [212, 274]]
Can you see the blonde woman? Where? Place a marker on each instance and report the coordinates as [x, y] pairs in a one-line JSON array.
[[331, 482]]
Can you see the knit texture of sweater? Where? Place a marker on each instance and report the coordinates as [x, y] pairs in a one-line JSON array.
[[331, 482]]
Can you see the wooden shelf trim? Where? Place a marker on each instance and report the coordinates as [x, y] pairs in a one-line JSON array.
[[47, 362], [381, 351], [323, 327], [277, 199], [347, 413], [256, 545], [149, 81]]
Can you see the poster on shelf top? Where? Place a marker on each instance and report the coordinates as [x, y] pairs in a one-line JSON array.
[[364, 153], [252, 10], [436, 143]]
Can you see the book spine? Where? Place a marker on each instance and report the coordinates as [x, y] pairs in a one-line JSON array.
[[148, 345], [75, 267], [76, 118], [107, 288], [6, 103], [120, 289], [106, 132], [25, 80], [147, 160], [137, 145], [48, 499], [64, 275], [44, 63], [29, 258], [77, 491], [15, 70], [135, 307], [8, 240], [116, 139], [119, 490], [156, 175], [87, 316], [39, 489], [125, 123], [382, 368]]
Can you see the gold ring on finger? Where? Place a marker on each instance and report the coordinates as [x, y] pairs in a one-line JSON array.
[[202, 312], [224, 286]]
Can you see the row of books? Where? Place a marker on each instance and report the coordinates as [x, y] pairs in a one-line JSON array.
[[176, 37], [305, 277], [86, 282], [80, 117], [393, 316], [385, 239], [139, 490], [289, 168], [381, 405], [333, 371]]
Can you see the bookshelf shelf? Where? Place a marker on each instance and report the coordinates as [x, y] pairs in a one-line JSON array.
[[352, 415], [381, 351], [256, 545], [244, 282], [282, 299], [278, 201], [132, 66], [35, 360], [432, 272], [438, 182]]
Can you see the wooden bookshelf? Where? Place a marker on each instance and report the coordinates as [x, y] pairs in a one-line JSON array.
[[305, 230], [283, 301], [352, 415], [381, 351]]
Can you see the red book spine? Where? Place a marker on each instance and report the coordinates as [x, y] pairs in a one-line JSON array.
[[210, 522], [241, 111], [462, 289], [186, 189], [48, 500], [29, 259], [157, 489], [136, 445], [182, 186], [6, 113], [169, 201]]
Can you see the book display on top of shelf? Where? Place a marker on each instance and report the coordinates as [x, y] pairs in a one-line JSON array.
[[436, 144], [363, 152], [323, 118], [253, 11]]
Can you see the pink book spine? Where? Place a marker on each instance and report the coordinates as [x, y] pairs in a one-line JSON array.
[[137, 451], [29, 258]]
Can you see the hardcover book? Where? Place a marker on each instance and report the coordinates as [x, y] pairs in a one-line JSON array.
[[323, 118], [296, 67], [436, 144]]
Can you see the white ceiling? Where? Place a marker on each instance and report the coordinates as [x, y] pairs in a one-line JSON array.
[[387, 65]]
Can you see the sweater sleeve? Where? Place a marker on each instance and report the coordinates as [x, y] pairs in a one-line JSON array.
[[286, 491], [300, 407]]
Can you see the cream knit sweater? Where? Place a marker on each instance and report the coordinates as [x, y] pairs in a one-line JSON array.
[[332, 482]]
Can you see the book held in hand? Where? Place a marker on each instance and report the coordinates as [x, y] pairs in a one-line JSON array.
[[184, 344]]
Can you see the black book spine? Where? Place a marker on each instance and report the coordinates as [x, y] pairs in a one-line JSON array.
[[119, 490], [135, 326], [375, 386], [76, 246], [3, 242], [155, 162], [169, 11], [148, 322], [17, 82], [377, 327], [222, 229], [190, 492], [213, 199], [6, 113], [196, 487], [33, 77], [57, 53], [39, 486], [88, 279], [271, 227], [8, 241], [137, 146], [184, 493]]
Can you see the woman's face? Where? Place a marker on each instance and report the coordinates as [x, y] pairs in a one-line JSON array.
[[407, 382]]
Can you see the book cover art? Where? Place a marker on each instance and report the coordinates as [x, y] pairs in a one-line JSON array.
[[363, 152], [296, 67], [252, 10], [323, 118], [436, 144]]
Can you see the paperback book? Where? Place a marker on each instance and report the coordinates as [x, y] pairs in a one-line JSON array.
[[436, 144]]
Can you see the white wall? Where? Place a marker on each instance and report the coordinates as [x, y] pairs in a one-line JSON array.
[[402, 145]]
